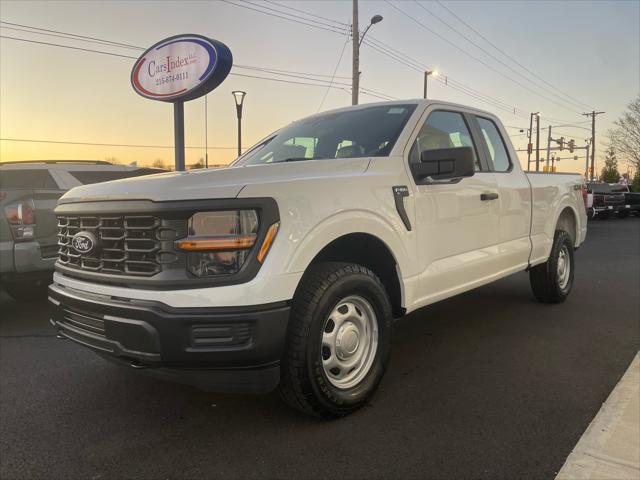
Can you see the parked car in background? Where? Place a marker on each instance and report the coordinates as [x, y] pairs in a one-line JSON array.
[[29, 192], [631, 199], [288, 267], [604, 199]]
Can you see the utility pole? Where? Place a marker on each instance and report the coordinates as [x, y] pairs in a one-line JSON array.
[[548, 146], [537, 142], [355, 33], [530, 145], [593, 115], [586, 165]]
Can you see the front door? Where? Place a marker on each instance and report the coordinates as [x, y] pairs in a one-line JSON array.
[[457, 222]]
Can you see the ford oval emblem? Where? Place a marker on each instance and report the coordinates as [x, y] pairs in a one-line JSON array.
[[84, 242]]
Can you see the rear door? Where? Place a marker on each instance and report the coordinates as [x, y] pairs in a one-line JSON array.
[[457, 230], [514, 243]]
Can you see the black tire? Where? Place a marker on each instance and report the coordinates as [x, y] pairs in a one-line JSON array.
[[304, 383], [544, 278], [623, 214], [25, 292]]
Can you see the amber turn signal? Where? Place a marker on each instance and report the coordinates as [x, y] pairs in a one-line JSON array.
[[268, 240], [239, 242]]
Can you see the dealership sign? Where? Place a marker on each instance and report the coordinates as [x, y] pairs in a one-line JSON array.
[[178, 69], [181, 68]]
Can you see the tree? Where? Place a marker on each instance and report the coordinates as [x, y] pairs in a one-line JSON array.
[[635, 186], [610, 173], [198, 164], [625, 136], [159, 163]]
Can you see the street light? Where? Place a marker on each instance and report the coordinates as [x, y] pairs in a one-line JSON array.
[[427, 74], [238, 96], [375, 19]]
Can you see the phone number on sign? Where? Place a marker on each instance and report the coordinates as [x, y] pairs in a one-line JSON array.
[[172, 78]]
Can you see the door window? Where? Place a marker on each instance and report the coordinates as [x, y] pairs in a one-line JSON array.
[[442, 130], [495, 145]]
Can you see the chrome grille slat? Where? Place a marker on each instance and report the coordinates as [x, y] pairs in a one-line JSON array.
[[129, 245]]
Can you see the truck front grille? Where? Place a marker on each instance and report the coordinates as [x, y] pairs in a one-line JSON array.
[[136, 245]]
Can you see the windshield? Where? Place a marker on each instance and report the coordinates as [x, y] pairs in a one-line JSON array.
[[366, 132]]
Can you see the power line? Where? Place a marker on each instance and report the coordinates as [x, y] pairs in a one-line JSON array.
[[278, 71], [319, 82], [285, 18], [126, 45], [379, 46], [319, 22], [66, 37], [31, 140], [457, 47], [421, 67], [437, 17], [68, 46], [505, 53], [308, 13], [464, 89], [451, 83]]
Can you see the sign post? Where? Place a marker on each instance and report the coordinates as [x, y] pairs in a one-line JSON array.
[[178, 69], [178, 133]]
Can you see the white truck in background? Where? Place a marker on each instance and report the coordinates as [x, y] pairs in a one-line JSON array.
[[287, 268]]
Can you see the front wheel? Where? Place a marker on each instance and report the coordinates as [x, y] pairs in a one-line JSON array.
[[551, 282], [338, 341]]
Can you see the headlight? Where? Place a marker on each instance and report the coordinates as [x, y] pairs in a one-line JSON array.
[[219, 243]]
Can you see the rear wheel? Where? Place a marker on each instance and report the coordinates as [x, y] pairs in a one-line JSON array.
[[551, 282], [339, 340]]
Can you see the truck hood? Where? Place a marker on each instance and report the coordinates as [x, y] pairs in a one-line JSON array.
[[225, 182]]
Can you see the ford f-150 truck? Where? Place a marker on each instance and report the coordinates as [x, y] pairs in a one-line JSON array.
[[288, 267]]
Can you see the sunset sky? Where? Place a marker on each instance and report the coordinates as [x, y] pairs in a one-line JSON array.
[[588, 50]]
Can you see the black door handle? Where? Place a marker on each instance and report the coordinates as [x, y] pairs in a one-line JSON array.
[[488, 196]]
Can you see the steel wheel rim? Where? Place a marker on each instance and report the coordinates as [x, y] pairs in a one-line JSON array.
[[349, 342], [564, 267]]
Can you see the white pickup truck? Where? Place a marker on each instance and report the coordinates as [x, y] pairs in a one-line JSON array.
[[288, 267]]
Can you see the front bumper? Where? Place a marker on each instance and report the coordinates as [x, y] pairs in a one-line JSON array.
[[234, 349]]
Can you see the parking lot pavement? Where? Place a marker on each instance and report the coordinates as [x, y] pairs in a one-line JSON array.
[[489, 384]]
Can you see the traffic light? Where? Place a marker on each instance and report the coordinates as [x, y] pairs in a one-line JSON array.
[[561, 143], [529, 148], [572, 143]]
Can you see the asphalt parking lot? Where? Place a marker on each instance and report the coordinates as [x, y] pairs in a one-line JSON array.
[[489, 384]]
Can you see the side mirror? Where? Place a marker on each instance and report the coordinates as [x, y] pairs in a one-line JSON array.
[[444, 164]]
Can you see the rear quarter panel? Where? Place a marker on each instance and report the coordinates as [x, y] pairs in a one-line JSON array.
[[552, 193]]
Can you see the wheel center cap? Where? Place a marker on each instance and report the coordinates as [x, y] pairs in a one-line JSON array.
[[347, 340]]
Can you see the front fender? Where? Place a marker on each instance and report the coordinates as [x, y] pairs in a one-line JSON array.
[[345, 223]]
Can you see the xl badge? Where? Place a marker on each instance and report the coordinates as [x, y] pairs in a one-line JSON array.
[[84, 242]]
